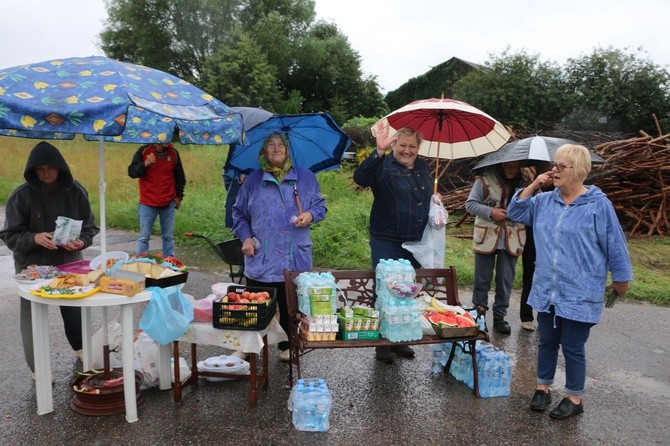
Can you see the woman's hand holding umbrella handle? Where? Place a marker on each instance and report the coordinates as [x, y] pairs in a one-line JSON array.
[[248, 248], [303, 220]]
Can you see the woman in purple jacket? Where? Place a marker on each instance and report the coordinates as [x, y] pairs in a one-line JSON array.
[[272, 215]]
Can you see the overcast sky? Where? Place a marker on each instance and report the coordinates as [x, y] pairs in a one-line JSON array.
[[396, 39]]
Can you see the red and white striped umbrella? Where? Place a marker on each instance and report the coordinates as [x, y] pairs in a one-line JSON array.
[[462, 131], [450, 129]]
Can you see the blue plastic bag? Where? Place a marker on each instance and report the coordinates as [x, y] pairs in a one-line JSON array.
[[167, 316]]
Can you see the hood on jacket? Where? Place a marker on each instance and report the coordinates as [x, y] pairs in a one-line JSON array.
[[46, 154], [593, 193]]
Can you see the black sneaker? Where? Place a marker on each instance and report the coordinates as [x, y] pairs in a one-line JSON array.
[[501, 326], [540, 401], [402, 350], [383, 354], [565, 409]]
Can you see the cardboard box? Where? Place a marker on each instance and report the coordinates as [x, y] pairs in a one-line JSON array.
[[368, 335], [123, 282]]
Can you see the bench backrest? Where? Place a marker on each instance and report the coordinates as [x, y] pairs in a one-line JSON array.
[[358, 286]]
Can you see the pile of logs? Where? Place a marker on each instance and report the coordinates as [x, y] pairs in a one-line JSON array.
[[635, 177]]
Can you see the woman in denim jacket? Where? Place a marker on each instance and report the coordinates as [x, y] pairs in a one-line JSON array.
[[578, 240], [401, 184]]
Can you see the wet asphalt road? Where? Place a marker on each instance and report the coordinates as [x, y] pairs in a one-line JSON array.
[[627, 401]]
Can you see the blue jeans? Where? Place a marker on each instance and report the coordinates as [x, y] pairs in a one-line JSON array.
[[147, 217], [389, 249], [571, 336]]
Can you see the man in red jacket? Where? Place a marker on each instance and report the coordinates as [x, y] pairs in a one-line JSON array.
[[162, 182]]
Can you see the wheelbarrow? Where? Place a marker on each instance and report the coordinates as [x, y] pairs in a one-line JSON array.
[[230, 251]]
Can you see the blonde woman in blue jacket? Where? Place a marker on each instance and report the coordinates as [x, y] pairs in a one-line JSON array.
[[578, 240]]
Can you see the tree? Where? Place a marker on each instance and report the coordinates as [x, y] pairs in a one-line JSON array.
[[617, 90], [250, 43], [240, 74], [432, 84], [517, 89], [175, 36]]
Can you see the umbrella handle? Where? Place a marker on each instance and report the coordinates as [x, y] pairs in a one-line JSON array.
[[297, 198]]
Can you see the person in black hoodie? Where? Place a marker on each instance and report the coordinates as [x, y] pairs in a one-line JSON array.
[[30, 220]]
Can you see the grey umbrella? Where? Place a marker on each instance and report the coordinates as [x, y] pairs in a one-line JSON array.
[[535, 148]]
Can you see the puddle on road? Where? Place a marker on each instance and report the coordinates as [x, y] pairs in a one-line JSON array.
[[635, 382]]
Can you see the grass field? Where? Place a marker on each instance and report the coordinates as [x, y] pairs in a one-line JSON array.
[[340, 241]]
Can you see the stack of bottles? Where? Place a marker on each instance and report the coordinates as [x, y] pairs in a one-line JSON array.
[[310, 403], [493, 366], [400, 315], [317, 293]]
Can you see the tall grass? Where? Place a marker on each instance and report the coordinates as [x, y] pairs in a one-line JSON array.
[[340, 241]]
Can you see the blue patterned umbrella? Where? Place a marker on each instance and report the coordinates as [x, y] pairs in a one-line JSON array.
[[107, 100], [317, 142], [118, 101]]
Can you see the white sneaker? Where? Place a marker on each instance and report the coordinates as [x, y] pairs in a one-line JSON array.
[[285, 355], [528, 326]]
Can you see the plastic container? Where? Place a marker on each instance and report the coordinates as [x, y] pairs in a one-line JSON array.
[[244, 316], [310, 402]]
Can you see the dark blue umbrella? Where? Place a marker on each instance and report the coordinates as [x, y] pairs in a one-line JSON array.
[[317, 142]]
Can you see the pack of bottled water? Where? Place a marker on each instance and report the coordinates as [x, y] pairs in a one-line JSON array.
[[493, 366], [310, 287], [310, 402], [400, 315]]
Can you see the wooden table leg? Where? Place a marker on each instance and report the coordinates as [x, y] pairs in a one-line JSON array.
[[176, 386], [266, 375], [252, 380]]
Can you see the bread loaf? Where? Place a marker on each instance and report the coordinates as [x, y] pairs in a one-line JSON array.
[[95, 276], [144, 268]]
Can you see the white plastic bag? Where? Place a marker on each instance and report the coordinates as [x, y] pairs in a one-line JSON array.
[[184, 370], [437, 214], [146, 359], [429, 251], [115, 342]]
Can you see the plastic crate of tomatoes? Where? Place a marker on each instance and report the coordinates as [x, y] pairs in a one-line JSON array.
[[245, 308]]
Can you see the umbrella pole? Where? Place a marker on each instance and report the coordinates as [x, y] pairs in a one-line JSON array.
[[437, 165], [102, 189], [103, 251]]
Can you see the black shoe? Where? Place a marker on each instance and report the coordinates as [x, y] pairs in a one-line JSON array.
[[402, 350], [566, 409], [501, 326], [540, 401], [383, 354]]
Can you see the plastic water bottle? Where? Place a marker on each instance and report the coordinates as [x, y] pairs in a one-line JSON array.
[[438, 354], [323, 405], [406, 324], [297, 405]]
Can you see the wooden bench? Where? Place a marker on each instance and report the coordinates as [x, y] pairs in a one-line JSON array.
[[358, 287]]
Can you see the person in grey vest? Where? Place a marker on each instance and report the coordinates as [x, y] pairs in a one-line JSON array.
[[497, 241]]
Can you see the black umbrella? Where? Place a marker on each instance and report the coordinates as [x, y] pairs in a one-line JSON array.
[[535, 148]]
